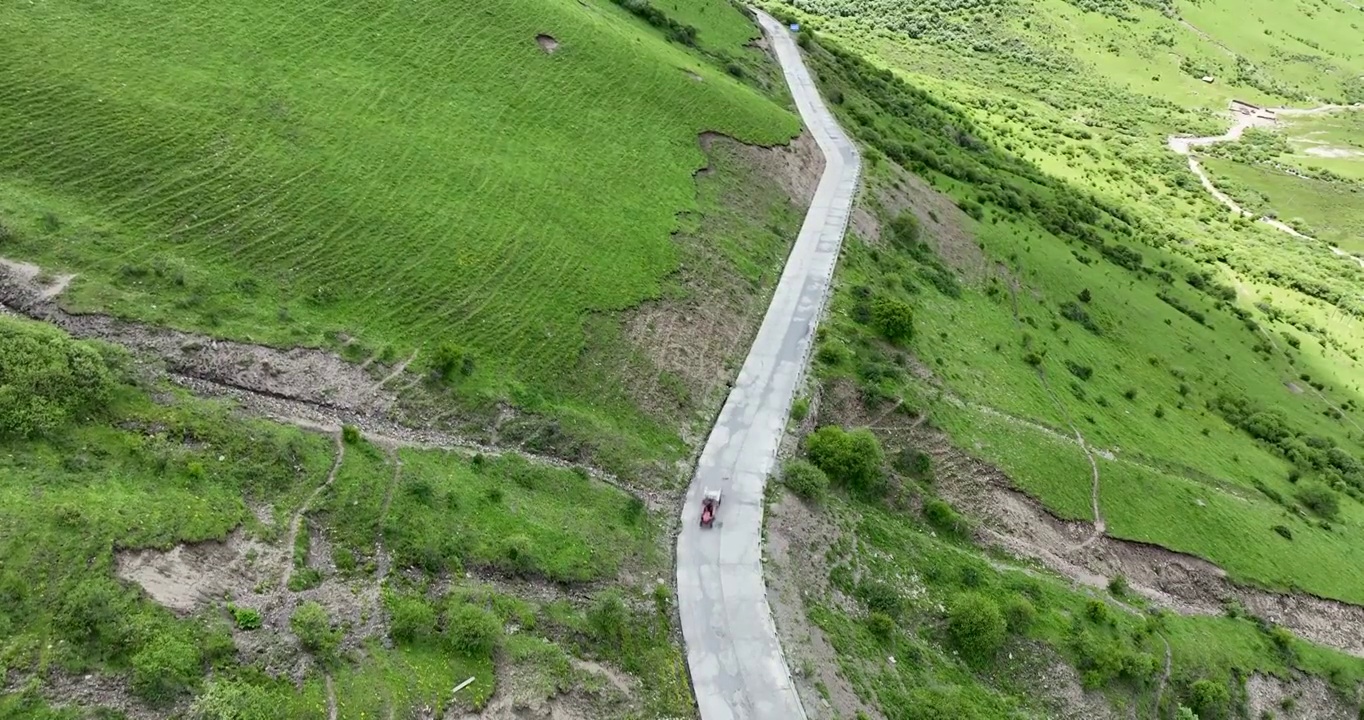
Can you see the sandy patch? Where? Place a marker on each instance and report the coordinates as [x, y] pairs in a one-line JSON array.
[[695, 77], [187, 576], [1333, 152], [944, 226], [547, 43], [1306, 698]]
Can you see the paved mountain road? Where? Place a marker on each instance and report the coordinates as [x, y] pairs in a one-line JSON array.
[[737, 666]]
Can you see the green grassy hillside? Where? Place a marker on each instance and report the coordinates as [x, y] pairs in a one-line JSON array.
[[411, 176], [1086, 285], [417, 572]]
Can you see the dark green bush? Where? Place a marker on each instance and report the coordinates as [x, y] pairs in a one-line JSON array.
[[48, 379], [1319, 499], [852, 459], [165, 667], [1019, 613], [894, 319], [805, 480], [410, 619], [472, 630], [945, 518], [313, 628], [880, 598], [1210, 700], [1084, 372], [881, 625], [975, 626]]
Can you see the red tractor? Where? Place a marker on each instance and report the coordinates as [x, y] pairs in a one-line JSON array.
[[710, 504]]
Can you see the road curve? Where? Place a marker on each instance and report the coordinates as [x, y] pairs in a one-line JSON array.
[[737, 666]]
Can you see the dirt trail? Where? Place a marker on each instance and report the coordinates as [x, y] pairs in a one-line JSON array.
[[1182, 145], [331, 697], [297, 520]]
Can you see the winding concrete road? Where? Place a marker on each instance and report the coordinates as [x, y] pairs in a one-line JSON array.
[[737, 666]]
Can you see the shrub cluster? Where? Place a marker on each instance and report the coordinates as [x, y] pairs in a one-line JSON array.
[[47, 379], [851, 459], [676, 31]]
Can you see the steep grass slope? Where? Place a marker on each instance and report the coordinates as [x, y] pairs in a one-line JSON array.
[[409, 176], [1089, 320]]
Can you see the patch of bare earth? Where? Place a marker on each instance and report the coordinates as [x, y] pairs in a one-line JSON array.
[[689, 343], [944, 226], [595, 691], [1305, 698], [547, 43], [1177, 582], [797, 568]]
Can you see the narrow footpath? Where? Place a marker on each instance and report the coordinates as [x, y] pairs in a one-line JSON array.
[[737, 666]]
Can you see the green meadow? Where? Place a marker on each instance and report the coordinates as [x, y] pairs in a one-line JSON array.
[[408, 177]]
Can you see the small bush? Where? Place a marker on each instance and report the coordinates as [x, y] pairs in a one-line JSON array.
[[313, 628], [1319, 499], [410, 619], [944, 517], [245, 618], [880, 598], [1130, 393], [472, 630], [894, 319], [881, 625], [1210, 700], [165, 667], [305, 579], [805, 480], [1019, 613], [800, 409], [1084, 372], [1283, 532], [451, 362], [735, 69], [852, 459], [975, 626], [350, 434], [47, 379], [1098, 612], [1118, 585]]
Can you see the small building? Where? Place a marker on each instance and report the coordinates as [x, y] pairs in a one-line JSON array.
[[1207, 78]]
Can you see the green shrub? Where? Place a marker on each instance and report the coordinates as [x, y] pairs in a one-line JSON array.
[[234, 700], [313, 628], [1209, 700], [905, 230], [881, 625], [880, 598], [975, 626], [852, 459], [451, 362], [410, 619], [165, 667], [805, 480], [350, 434], [305, 579], [945, 518], [1118, 585], [800, 409], [1320, 499], [472, 630], [915, 463], [894, 319], [1283, 532], [1019, 613], [47, 379], [245, 618], [1098, 612]]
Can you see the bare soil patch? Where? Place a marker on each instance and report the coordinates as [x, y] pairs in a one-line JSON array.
[[1333, 152], [797, 541], [945, 227], [1171, 580], [694, 76], [1304, 698], [597, 692], [188, 576], [688, 345], [309, 375], [547, 43]]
